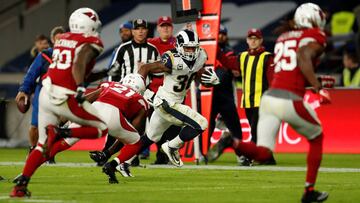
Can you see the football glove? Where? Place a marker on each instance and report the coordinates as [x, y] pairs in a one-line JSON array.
[[149, 96], [114, 69], [324, 97], [80, 94], [209, 77]]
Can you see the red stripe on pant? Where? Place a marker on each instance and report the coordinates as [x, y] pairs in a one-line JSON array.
[[124, 124], [303, 112]]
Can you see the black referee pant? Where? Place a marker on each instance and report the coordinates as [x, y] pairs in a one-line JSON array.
[[252, 115]]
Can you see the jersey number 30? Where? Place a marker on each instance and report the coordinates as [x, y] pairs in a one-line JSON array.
[[285, 56], [61, 59]]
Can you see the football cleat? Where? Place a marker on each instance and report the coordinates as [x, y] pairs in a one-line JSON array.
[[52, 135], [51, 161], [124, 170], [173, 154], [314, 196], [110, 172], [17, 178], [244, 161], [99, 157], [216, 151], [20, 191]]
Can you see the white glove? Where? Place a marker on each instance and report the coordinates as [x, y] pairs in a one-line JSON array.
[[209, 77], [149, 96], [114, 69]]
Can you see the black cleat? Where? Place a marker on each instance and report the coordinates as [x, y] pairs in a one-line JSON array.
[[215, 152], [51, 161], [99, 157], [110, 172], [244, 161], [314, 196]]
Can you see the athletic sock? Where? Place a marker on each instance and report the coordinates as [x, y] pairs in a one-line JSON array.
[[34, 161], [314, 158], [176, 142], [129, 151], [59, 146]]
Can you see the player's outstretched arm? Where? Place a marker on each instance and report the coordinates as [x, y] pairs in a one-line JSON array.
[[155, 67], [305, 57]]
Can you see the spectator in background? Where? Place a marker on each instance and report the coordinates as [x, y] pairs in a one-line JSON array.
[[351, 72], [223, 103], [256, 67], [41, 43], [32, 81], [166, 41]]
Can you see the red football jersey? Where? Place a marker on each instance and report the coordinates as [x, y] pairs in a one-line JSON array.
[[288, 75], [64, 54], [125, 99]]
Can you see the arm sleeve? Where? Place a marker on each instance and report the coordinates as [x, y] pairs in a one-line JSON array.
[[167, 60], [270, 68], [32, 74], [229, 61]]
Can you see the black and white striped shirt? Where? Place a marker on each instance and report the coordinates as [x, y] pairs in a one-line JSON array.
[[129, 54]]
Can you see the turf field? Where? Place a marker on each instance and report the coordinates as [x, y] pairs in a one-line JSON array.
[[222, 181]]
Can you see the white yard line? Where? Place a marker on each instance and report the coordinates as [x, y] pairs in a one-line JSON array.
[[206, 167]]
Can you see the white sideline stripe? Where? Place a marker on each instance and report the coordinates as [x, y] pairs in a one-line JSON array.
[[206, 167], [31, 200]]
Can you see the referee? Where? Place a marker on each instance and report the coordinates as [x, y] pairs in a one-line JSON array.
[[133, 52], [256, 68]]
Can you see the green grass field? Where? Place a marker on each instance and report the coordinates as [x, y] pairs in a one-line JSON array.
[[283, 183]]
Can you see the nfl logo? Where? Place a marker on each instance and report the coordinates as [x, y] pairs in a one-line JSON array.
[[206, 28]]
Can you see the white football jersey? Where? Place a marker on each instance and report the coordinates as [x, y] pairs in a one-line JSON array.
[[177, 82]]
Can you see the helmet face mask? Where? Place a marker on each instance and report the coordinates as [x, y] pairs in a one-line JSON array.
[[309, 15], [187, 39], [85, 21], [134, 82]]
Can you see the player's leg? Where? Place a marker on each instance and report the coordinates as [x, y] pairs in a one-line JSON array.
[[306, 122], [268, 126], [40, 154], [33, 131], [193, 124], [92, 126]]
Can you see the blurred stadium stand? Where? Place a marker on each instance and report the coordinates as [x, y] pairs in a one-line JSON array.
[[22, 20]]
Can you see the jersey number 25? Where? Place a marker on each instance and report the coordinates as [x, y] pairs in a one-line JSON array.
[[285, 56]]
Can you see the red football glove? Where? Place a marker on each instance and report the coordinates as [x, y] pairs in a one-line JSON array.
[[327, 81], [324, 97]]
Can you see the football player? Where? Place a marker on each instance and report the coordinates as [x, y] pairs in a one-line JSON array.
[[123, 109], [295, 53], [63, 91], [180, 66]]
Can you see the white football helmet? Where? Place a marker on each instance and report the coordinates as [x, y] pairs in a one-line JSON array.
[[86, 21], [187, 38], [135, 82], [309, 15]]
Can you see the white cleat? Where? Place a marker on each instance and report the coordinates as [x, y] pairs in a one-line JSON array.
[[124, 170], [173, 154]]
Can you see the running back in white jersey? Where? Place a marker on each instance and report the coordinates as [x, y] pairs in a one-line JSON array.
[[178, 81]]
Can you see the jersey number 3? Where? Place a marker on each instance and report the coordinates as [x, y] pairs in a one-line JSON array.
[[285, 56]]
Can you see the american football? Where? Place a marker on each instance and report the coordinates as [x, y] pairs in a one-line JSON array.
[[23, 108]]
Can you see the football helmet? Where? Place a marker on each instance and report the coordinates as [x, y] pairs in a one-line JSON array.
[[187, 38], [309, 15], [86, 21], [135, 82]]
